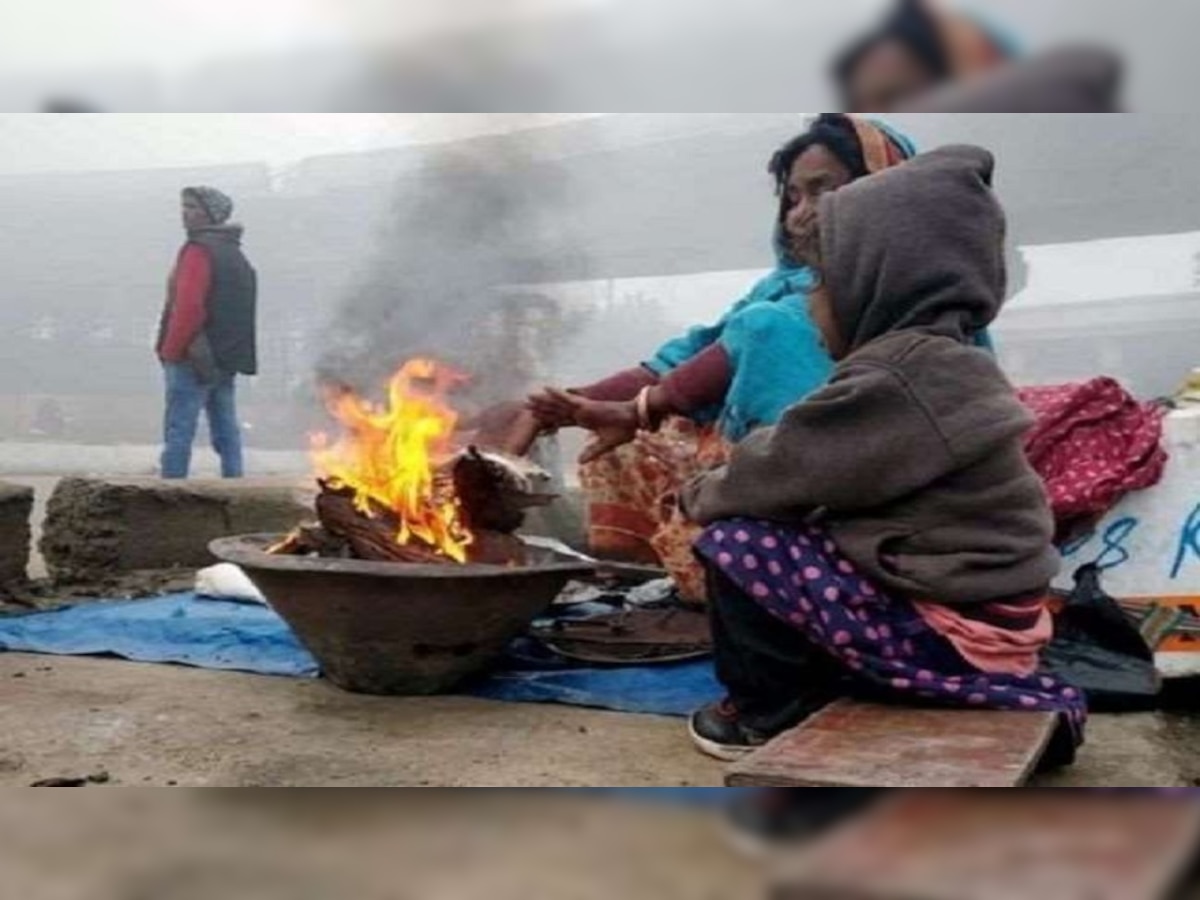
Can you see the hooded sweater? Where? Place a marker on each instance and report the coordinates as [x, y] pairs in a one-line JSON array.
[[1066, 80], [911, 457]]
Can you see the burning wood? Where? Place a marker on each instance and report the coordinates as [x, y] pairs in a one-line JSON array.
[[395, 489]]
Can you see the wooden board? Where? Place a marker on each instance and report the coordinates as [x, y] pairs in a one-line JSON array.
[[1010, 845], [854, 744]]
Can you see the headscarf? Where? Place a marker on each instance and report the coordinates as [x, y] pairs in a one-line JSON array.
[[882, 145], [218, 205]]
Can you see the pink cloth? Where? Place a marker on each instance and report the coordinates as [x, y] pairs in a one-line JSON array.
[[992, 648], [1092, 445]]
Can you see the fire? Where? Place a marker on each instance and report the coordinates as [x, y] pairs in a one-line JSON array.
[[388, 455]]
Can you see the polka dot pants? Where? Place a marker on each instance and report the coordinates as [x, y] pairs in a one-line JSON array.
[[800, 578]]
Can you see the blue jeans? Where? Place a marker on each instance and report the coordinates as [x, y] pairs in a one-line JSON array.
[[186, 397]]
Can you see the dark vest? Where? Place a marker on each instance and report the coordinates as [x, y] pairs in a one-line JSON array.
[[230, 325], [232, 304]]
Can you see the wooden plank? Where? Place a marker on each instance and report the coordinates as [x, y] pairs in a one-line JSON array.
[[854, 744], [1011, 845]]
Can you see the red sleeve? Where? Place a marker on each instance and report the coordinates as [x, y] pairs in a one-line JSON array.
[[700, 382], [620, 387], [189, 309]]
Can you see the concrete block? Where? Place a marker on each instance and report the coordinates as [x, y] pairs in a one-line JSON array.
[[16, 509], [854, 744], [98, 528]]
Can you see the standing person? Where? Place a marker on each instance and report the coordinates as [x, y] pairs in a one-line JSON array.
[[207, 334]]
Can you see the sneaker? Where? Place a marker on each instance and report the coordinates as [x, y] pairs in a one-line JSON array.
[[718, 731]]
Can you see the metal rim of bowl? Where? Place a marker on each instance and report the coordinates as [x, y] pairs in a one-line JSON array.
[[250, 551]]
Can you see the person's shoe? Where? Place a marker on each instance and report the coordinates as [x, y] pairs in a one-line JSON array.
[[718, 731]]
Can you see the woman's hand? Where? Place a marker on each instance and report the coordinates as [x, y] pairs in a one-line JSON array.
[[613, 424], [550, 412]]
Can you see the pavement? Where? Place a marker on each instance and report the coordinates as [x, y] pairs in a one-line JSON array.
[[170, 726], [158, 725], [149, 725]]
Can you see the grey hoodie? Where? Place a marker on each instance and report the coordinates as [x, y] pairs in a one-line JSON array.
[[912, 455], [1067, 80]]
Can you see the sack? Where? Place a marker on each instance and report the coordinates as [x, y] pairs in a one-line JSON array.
[[1098, 649]]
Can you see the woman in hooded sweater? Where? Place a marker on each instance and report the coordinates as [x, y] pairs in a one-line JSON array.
[[888, 537]]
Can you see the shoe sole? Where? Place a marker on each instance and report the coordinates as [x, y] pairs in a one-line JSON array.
[[722, 752]]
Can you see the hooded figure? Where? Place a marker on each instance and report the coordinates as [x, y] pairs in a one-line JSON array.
[[891, 519], [717, 382], [207, 333], [913, 451]]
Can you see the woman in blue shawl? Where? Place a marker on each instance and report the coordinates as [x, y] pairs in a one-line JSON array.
[[675, 415]]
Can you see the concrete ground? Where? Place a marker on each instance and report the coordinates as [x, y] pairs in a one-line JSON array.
[[157, 725], [164, 725]]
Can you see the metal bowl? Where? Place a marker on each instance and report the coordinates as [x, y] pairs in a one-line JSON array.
[[395, 629]]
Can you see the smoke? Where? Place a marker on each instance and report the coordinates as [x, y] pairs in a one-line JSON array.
[[466, 232]]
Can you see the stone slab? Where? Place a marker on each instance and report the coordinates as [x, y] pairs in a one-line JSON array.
[[854, 744], [97, 528]]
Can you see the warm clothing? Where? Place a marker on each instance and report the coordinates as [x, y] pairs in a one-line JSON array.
[[1001, 644], [218, 205], [790, 360], [912, 455], [772, 353], [1065, 80], [211, 303], [187, 303], [793, 620], [623, 386]]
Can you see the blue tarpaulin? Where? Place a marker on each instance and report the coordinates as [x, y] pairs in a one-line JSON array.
[[216, 634]]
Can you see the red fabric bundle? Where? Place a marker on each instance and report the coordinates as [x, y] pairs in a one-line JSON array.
[[1092, 445]]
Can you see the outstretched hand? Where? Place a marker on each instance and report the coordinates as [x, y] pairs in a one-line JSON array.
[[612, 424]]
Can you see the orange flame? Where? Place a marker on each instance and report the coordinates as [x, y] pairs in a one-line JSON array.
[[388, 455]]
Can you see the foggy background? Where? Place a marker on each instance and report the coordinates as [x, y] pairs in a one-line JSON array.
[[527, 247], [484, 55]]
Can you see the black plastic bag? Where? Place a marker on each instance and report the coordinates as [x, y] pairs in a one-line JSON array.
[[1099, 650]]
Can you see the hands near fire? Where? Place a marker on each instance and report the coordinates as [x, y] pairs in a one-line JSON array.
[[613, 424]]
